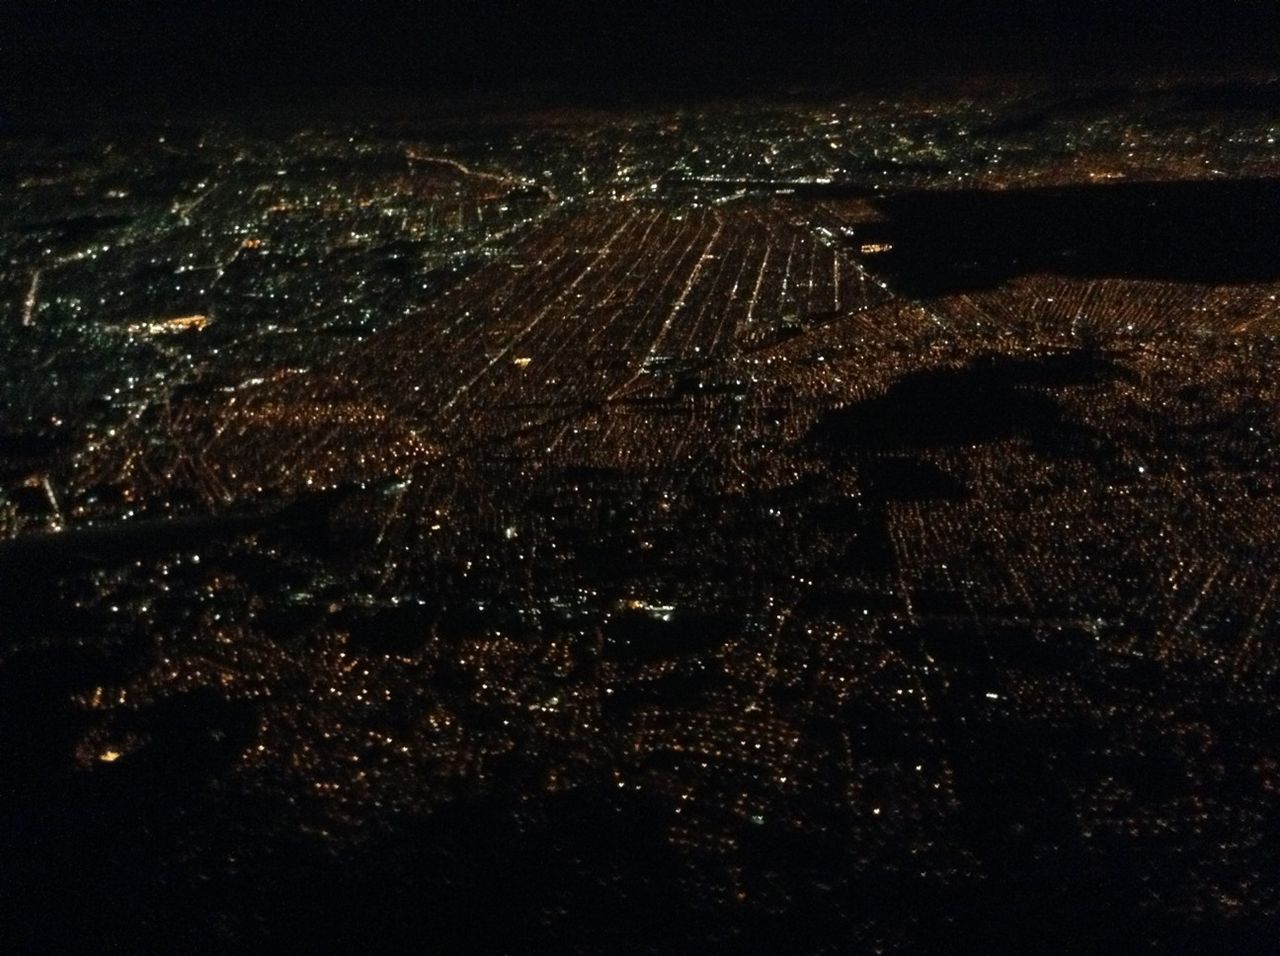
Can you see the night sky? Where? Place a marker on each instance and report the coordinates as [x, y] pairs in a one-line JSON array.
[[223, 51]]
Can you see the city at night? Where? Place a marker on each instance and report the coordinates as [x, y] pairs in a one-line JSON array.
[[640, 478]]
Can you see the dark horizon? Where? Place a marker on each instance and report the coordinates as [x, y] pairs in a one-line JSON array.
[[63, 54]]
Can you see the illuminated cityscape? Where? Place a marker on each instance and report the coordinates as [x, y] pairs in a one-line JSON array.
[[823, 525]]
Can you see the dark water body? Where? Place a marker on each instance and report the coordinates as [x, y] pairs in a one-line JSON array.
[[75, 229], [897, 478], [990, 399], [1193, 231]]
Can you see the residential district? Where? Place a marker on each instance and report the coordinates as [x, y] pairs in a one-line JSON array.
[[806, 527]]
